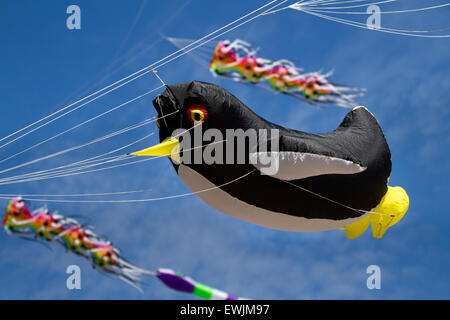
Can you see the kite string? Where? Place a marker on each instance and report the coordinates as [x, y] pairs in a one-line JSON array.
[[413, 33], [382, 12], [144, 200], [336, 202], [297, 6], [108, 136], [70, 172], [81, 124], [354, 6], [77, 194], [71, 110], [159, 78], [81, 162], [76, 171]]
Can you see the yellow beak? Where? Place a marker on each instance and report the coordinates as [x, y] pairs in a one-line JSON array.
[[169, 147]]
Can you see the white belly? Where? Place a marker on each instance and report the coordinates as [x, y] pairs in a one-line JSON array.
[[234, 207]]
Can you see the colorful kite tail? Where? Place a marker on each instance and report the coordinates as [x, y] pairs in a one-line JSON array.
[[237, 60], [132, 275], [180, 282], [41, 224]]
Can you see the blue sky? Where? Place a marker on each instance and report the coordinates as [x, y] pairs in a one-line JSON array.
[[44, 66]]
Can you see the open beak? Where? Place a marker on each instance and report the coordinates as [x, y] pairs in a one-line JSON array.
[[168, 147]]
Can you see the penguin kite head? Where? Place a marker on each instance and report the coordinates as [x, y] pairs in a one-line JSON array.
[[190, 105], [182, 106]]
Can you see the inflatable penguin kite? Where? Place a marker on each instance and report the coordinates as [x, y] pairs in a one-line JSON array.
[[320, 181]]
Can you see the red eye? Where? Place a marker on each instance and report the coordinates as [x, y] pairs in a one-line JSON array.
[[197, 113]]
